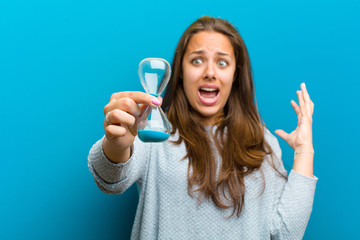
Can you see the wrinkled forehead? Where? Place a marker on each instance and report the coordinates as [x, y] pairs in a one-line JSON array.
[[209, 42]]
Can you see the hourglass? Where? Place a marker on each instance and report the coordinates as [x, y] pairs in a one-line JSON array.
[[154, 75]]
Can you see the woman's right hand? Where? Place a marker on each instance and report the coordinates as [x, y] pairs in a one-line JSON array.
[[122, 115]]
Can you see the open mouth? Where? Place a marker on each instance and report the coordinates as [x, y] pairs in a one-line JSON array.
[[208, 92], [208, 95]]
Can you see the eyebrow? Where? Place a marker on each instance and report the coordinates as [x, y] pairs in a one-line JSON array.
[[202, 52]]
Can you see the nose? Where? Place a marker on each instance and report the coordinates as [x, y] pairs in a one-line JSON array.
[[209, 71]]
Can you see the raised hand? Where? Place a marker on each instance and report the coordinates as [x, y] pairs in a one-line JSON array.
[[301, 138]]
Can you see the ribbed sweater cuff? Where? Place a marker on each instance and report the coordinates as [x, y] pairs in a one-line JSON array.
[[108, 171], [309, 180]]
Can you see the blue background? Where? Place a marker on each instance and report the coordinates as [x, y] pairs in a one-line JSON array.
[[61, 60]]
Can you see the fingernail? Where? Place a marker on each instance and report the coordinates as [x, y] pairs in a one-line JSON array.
[[155, 101], [303, 84]]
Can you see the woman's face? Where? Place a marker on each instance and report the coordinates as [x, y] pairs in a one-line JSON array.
[[208, 73]]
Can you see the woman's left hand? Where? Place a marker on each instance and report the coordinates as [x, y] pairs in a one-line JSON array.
[[301, 138]]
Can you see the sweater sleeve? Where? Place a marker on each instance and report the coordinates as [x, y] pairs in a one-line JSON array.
[[293, 200], [115, 178]]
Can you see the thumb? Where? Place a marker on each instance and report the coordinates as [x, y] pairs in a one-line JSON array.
[[160, 99], [143, 108], [282, 134]]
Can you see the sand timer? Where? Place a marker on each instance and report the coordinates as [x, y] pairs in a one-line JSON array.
[[154, 75]]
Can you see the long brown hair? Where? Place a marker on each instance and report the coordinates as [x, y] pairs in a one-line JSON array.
[[239, 136]]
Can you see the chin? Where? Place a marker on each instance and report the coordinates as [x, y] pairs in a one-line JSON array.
[[209, 113]]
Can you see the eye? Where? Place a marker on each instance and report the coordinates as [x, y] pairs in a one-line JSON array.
[[222, 63], [197, 61]]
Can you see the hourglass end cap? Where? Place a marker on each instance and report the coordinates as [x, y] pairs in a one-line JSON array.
[[159, 63], [153, 136], [154, 74]]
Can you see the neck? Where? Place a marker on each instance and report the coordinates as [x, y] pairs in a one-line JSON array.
[[208, 121]]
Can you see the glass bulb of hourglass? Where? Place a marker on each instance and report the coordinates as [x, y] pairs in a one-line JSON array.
[[154, 75]]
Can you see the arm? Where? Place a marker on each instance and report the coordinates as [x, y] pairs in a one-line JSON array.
[[294, 197], [301, 138], [293, 200], [115, 178], [110, 160]]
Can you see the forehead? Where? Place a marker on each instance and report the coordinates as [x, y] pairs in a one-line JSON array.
[[210, 41]]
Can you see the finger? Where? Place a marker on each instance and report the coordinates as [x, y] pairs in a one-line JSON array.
[[302, 103], [143, 108], [282, 134], [125, 104], [297, 109], [306, 97], [305, 93], [312, 108], [138, 97], [160, 99], [116, 131], [118, 117]]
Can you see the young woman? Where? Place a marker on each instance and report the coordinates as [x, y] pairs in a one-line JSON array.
[[220, 175]]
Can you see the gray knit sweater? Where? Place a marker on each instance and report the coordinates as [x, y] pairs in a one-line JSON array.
[[166, 211]]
